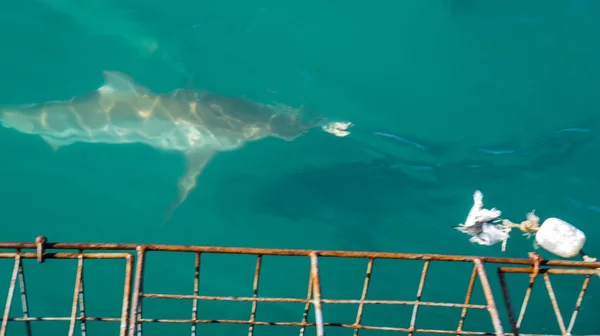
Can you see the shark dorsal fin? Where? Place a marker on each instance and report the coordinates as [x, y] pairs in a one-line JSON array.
[[120, 84]]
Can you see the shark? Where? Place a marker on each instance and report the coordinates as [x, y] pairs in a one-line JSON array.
[[195, 123]]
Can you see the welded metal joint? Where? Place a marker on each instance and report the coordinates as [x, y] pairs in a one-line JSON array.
[[39, 243], [537, 259]]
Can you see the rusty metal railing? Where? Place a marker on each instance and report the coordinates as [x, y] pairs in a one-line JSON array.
[[132, 320]]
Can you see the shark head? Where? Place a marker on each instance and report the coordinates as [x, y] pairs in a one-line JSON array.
[[289, 126], [279, 120]]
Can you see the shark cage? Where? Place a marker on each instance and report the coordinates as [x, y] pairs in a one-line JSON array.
[[493, 299]]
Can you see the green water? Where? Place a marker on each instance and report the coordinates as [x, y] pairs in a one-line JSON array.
[[481, 86]]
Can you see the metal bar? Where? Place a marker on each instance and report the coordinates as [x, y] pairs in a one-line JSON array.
[[126, 295], [76, 296], [584, 287], [255, 294], [78, 318], [327, 301], [291, 252], [82, 303], [559, 318], [9, 297], [136, 298], [413, 319], [63, 255], [196, 290], [298, 324], [463, 314], [525, 303], [363, 296], [24, 304], [314, 271], [307, 304], [489, 297], [558, 271], [508, 302]]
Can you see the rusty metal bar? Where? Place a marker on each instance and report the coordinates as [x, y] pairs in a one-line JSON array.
[[314, 272], [76, 295], [507, 300], [559, 318], [24, 304], [255, 294], [584, 287], [95, 255], [525, 303], [196, 291], [78, 318], [489, 297], [463, 314], [9, 297], [563, 271], [325, 324], [327, 301], [307, 304], [413, 319], [137, 292], [291, 252], [81, 298], [126, 295], [363, 295]]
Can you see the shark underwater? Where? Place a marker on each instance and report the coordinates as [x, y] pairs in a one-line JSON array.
[[195, 123]]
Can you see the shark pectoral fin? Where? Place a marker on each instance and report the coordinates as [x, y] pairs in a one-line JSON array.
[[56, 144], [118, 83], [196, 160]]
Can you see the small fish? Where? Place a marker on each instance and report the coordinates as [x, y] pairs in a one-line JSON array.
[[414, 166], [403, 140], [474, 166], [306, 75], [572, 129], [590, 207], [498, 151], [418, 167]]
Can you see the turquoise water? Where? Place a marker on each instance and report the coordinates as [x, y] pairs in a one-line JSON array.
[[496, 96]]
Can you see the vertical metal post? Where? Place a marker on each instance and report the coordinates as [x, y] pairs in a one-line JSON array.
[[314, 273], [196, 291], [126, 295], [255, 294], [137, 288]]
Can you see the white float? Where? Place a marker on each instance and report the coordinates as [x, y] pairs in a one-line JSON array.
[[560, 238]]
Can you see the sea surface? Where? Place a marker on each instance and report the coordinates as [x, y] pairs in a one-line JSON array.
[[446, 97]]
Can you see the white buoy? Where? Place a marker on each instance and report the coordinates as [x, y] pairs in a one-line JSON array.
[[559, 237]]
